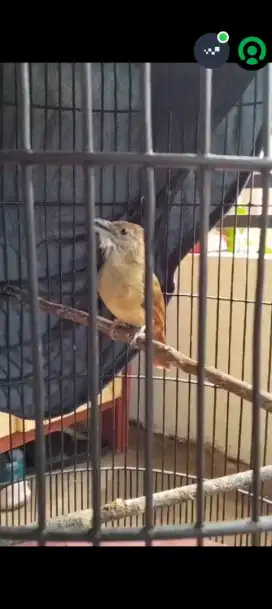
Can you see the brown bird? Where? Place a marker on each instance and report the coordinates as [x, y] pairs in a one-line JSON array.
[[121, 279]]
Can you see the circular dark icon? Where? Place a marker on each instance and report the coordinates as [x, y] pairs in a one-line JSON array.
[[210, 53], [252, 53]]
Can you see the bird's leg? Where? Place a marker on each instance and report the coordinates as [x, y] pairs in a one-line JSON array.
[[139, 333], [115, 324], [112, 332]]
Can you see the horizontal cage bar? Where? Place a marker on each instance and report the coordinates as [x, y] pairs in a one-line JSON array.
[[127, 159]]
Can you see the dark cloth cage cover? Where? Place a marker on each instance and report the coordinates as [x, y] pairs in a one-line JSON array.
[[59, 208]]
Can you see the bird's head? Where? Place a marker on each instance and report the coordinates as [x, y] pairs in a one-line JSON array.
[[120, 237]]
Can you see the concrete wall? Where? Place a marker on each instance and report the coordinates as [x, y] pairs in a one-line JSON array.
[[224, 414]]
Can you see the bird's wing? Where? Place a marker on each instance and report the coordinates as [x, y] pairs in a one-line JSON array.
[[158, 311]]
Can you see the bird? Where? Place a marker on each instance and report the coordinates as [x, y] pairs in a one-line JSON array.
[[121, 280]]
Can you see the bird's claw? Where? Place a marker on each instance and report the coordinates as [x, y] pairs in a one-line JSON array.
[[113, 333], [113, 330], [136, 335]]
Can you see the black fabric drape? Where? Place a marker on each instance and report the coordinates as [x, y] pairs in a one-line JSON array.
[[59, 209]]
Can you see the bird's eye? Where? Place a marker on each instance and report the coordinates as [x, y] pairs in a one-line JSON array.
[[124, 231]]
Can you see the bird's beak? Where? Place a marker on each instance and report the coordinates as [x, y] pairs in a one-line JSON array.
[[105, 228]]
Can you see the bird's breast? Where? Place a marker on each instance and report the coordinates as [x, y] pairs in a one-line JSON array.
[[121, 287]]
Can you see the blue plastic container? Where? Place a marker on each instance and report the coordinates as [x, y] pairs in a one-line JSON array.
[[11, 467]]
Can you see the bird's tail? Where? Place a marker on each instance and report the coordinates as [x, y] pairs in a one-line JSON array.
[[159, 358]]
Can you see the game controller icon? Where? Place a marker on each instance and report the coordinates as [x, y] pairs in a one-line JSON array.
[[212, 50]]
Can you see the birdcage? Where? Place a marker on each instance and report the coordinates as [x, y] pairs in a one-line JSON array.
[[96, 444]]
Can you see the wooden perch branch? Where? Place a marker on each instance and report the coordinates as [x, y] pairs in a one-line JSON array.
[[122, 508], [175, 358]]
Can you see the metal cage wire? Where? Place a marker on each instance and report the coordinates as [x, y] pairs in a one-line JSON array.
[[88, 159]]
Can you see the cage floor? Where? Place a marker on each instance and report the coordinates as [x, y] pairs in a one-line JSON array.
[[69, 491]]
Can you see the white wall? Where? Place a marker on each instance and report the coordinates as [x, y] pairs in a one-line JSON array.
[[180, 398]]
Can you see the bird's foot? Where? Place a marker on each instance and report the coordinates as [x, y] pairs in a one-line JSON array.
[[117, 324], [139, 333], [113, 330]]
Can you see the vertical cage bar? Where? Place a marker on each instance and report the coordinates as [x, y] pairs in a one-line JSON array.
[[89, 201], [205, 195], [257, 325], [29, 219], [149, 248]]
